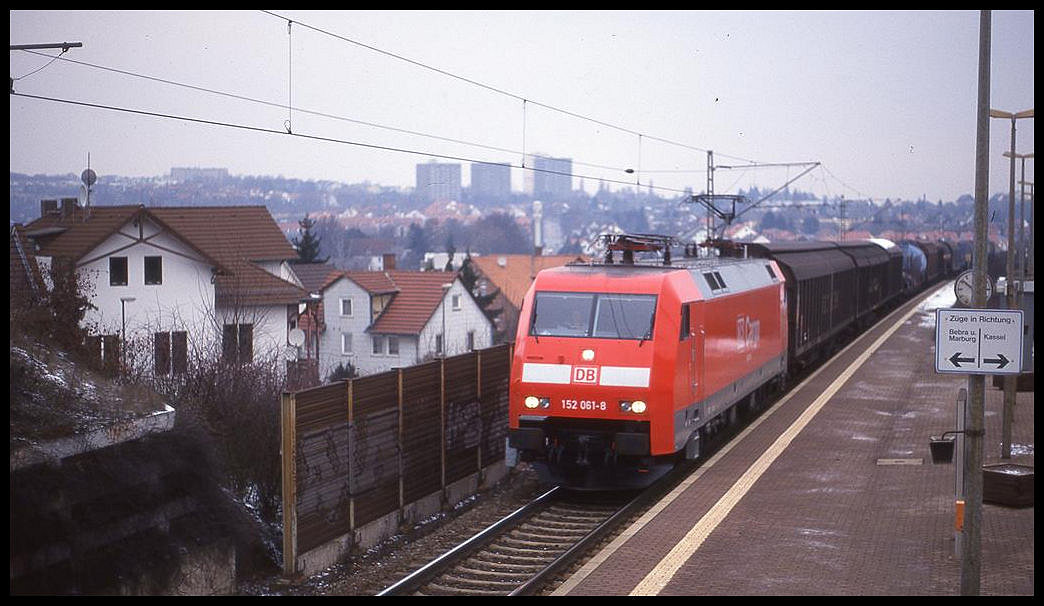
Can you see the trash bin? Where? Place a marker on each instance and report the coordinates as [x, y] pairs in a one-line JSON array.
[[1007, 484], [942, 448]]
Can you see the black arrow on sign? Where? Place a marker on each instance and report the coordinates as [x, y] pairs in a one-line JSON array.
[[1000, 360], [955, 358]]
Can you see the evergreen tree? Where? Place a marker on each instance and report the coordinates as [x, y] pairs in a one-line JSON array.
[[469, 277], [450, 251], [307, 244]]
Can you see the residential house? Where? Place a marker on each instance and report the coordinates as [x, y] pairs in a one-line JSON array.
[[379, 320], [175, 279], [511, 276]]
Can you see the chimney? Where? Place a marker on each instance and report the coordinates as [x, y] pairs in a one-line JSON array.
[[48, 207], [389, 261], [69, 205]]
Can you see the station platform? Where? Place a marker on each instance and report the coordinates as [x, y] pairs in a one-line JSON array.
[[833, 491]]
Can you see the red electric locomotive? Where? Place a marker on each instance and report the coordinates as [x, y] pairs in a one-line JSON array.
[[620, 367]]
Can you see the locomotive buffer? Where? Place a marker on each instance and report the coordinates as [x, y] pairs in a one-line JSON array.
[[978, 341]]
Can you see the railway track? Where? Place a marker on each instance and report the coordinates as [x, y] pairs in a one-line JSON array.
[[527, 550], [518, 554]]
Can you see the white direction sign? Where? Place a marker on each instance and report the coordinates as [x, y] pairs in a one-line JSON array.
[[978, 341]]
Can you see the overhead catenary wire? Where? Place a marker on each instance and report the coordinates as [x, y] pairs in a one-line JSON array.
[[496, 89], [301, 110], [262, 129], [289, 107]]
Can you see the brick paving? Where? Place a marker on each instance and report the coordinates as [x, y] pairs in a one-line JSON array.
[[827, 517]]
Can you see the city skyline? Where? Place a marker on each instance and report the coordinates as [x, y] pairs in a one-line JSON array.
[[884, 100]]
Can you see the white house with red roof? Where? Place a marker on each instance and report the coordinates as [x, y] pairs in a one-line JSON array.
[[177, 279], [379, 320]]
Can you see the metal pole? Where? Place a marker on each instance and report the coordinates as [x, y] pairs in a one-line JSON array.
[[123, 336], [971, 548], [962, 416], [1009, 301]]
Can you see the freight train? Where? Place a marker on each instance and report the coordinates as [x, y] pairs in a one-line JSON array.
[[622, 368]]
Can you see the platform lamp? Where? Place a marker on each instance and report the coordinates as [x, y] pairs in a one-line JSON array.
[[1009, 286], [1022, 221], [123, 337]]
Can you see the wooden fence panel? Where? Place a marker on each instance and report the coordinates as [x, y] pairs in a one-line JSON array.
[[321, 446], [462, 416], [494, 372], [421, 430], [375, 449]]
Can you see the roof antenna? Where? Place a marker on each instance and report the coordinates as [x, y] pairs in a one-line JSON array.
[[88, 177]]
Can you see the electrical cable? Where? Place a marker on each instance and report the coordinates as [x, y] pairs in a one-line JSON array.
[[317, 113], [321, 138], [495, 89]]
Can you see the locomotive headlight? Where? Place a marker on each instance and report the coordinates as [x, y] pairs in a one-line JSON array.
[[531, 402], [637, 406], [587, 355]]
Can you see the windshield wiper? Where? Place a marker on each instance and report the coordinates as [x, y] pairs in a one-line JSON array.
[[648, 332]]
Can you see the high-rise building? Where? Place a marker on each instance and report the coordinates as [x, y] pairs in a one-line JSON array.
[[491, 180], [438, 182], [550, 178]]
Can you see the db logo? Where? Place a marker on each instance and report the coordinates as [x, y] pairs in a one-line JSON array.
[[585, 374]]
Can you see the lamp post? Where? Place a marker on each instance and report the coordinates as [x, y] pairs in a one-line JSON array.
[[1009, 272], [1033, 214], [445, 291], [1022, 219], [123, 332]]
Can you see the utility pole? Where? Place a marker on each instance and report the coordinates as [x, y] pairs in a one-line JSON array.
[[971, 565]]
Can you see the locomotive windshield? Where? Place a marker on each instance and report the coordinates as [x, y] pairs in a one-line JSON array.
[[597, 315]]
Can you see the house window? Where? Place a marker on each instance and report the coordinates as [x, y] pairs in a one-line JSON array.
[[378, 345], [471, 340], [346, 342], [117, 271], [346, 307], [237, 343], [154, 270], [456, 302], [393, 346], [438, 344], [170, 352]]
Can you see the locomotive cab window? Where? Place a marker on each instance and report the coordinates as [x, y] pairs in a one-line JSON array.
[[684, 322], [597, 315]]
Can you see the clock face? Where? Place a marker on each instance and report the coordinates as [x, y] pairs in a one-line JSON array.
[[963, 288]]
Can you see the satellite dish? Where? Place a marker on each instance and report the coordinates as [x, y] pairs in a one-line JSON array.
[[296, 337], [88, 177]]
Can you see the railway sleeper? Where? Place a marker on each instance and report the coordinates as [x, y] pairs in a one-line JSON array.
[[438, 589], [505, 576], [541, 538], [564, 525], [522, 552], [453, 579], [493, 563], [574, 531], [537, 546]]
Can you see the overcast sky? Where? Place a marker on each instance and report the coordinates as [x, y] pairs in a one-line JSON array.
[[886, 100]]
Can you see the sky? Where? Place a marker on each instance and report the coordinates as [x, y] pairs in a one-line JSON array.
[[885, 101]]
